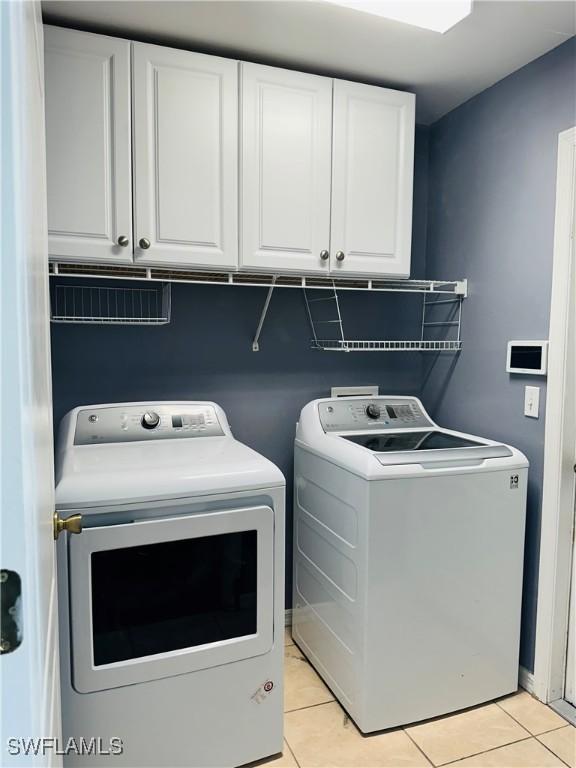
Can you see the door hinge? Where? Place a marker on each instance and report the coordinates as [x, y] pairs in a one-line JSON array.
[[72, 524], [10, 613]]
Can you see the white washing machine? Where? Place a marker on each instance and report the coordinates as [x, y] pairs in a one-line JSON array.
[[172, 595], [408, 558]]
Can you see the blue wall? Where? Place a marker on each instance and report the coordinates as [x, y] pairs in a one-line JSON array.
[[491, 219]]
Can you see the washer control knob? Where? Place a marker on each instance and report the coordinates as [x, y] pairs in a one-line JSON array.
[[373, 411], [150, 420]]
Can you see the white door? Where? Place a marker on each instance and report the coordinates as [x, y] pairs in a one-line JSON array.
[[168, 596], [372, 178], [29, 659], [185, 157], [285, 184], [88, 146], [570, 683]]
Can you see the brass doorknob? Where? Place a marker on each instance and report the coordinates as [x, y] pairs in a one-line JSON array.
[[144, 243], [340, 256], [123, 241], [72, 524]]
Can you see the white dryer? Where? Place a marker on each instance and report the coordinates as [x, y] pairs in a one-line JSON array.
[[172, 595], [408, 559]]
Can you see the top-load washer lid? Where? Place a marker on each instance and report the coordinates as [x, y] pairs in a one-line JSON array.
[[417, 447], [412, 441], [384, 437], [111, 454]]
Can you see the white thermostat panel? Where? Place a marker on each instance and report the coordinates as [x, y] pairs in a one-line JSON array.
[[527, 357]]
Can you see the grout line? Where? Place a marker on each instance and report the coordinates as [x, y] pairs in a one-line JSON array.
[[446, 715], [418, 747], [556, 728], [513, 718], [291, 751], [486, 751], [310, 706], [550, 748], [550, 730]]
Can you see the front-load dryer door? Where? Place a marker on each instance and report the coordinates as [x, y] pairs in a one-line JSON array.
[[168, 596]]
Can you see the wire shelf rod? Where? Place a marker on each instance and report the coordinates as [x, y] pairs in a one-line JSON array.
[[255, 342], [446, 322], [442, 301], [355, 345], [167, 275], [323, 298]]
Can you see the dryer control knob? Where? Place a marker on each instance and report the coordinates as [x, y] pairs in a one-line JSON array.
[[373, 411], [150, 420]]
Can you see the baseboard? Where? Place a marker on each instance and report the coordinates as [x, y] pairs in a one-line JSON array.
[[288, 617], [526, 679]]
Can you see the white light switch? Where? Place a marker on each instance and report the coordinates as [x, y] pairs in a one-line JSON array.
[[531, 401]]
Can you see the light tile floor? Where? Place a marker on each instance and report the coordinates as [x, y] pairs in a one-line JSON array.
[[514, 732]]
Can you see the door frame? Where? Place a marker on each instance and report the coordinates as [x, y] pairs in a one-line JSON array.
[[556, 543], [29, 668]]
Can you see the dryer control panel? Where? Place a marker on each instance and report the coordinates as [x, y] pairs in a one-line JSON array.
[[133, 423], [374, 413]]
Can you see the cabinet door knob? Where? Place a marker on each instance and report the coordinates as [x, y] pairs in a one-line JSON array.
[[144, 243], [324, 255], [123, 241], [340, 256]]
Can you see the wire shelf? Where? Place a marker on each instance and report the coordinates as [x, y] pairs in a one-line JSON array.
[[324, 313], [110, 305], [324, 289], [348, 345], [263, 280]]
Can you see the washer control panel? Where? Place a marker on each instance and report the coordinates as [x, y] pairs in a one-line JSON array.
[[133, 423], [377, 413]]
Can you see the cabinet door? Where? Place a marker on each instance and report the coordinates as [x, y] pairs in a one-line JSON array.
[[88, 146], [372, 177], [185, 157], [286, 148]]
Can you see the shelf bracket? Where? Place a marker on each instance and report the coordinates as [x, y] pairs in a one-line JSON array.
[[461, 288], [255, 342]]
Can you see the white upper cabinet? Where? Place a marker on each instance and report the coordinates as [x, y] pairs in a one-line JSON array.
[[185, 158], [286, 156], [372, 178], [322, 182], [88, 146]]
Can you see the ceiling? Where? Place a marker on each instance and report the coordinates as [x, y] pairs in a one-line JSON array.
[[443, 70]]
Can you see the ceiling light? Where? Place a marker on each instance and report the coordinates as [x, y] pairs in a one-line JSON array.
[[437, 15]]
